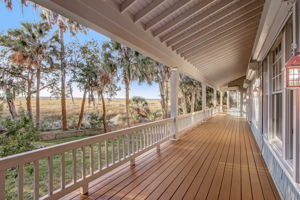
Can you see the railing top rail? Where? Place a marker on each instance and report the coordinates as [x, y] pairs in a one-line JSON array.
[[30, 156], [194, 113]]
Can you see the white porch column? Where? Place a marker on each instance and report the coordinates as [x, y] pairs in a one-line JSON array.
[[241, 103], [174, 99], [215, 98], [227, 100], [203, 96], [221, 101]]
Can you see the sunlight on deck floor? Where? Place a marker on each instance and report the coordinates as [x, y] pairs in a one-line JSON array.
[[217, 160]]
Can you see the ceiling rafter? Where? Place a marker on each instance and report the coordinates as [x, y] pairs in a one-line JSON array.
[[235, 40], [166, 13], [226, 15], [220, 51], [190, 12], [217, 26], [197, 19], [145, 11], [243, 56], [218, 37], [126, 5], [224, 36]]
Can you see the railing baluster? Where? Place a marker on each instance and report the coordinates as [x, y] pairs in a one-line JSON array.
[[83, 162], [2, 184], [128, 145], [99, 156], [63, 171], [74, 166], [106, 153], [137, 149], [113, 150], [132, 143], [20, 181], [36, 179], [145, 138], [123, 144], [118, 148], [92, 159], [50, 175]]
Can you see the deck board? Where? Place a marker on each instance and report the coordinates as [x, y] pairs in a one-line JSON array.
[[216, 160]]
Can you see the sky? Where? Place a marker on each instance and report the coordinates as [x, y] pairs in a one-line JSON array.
[[12, 19]]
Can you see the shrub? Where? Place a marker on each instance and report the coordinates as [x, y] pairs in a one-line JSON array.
[[18, 135]]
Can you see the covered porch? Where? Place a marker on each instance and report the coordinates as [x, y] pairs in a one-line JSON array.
[[231, 46]]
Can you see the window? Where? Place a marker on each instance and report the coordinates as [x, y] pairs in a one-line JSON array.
[[277, 69]]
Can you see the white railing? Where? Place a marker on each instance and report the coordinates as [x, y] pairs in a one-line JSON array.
[[88, 159], [191, 119], [73, 165]]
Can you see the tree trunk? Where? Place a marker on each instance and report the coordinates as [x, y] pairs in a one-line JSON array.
[[81, 110], [37, 101], [162, 99], [71, 93], [28, 98], [127, 85], [193, 102], [11, 104], [103, 113], [93, 99], [63, 82], [184, 104]]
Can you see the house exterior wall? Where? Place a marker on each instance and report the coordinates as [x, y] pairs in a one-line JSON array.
[[271, 115]]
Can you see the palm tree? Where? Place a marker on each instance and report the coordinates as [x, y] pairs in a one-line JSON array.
[[30, 45], [162, 74], [73, 27], [133, 66]]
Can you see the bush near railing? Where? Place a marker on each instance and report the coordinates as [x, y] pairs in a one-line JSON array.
[[73, 165]]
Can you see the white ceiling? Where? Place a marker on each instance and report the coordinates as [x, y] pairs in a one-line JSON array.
[[210, 40]]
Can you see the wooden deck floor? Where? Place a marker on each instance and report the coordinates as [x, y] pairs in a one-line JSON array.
[[217, 160]]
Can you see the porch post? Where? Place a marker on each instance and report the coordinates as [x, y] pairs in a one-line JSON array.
[[221, 101], [174, 99], [241, 103], [203, 96], [227, 100], [215, 98]]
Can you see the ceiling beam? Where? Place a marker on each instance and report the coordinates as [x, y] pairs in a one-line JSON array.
[[188, 13], [126, 5], [197, 19], [221, 50], [166, 13], [223, 41], [227, 15], [145, 11], [217, 26], [186, 50]]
